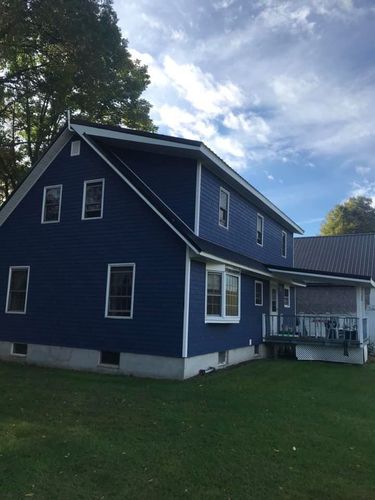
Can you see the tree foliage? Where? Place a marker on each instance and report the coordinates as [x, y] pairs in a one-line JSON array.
[[58, 55], [356, 215]]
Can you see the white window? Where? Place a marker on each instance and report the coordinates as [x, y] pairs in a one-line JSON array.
[[286, 296], [93, 198], [283, 243], [258, 289], [260, 229], [224, 208], [51, 204], [18, 283], [120, 291], [75, 148], [222, 296]]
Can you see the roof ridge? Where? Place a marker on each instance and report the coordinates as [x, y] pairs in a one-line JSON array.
[[333, 236], [142, 133]]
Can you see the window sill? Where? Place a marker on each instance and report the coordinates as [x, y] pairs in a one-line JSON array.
[[220, 320], [118, 317]]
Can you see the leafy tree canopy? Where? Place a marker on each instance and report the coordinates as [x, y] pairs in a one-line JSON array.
[[356, 215], [58, 55]]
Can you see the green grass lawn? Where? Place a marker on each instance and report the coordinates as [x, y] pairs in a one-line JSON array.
[[268, 429]]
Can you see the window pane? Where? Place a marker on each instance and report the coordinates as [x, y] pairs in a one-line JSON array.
[[52, 204], [110, 358], [223, 208], [18, 280], [17, 301], [283, 245], [214, 293], [17, 290], [286, 297], [93, 201], [273, 300], [258, 294], [20, 349], [120, 291], [232, 295], [259, 230]]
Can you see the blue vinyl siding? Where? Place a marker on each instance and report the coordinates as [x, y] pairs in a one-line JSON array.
[[241, 234], [68, 266], [170, 177], [205, 337]]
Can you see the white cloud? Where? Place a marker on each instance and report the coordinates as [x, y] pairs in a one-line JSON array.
[[313, 220], [200, 89], [273, 80], [286, 15], [290, 90], [223, 4], [254, 125], [362, 170], [365, 188]]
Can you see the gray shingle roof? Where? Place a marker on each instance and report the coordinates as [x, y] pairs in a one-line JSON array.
[[347, 254]]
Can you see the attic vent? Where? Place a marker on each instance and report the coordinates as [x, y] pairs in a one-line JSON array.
[[75, 148]]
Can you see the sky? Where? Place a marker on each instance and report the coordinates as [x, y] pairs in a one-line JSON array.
[[282, 90]]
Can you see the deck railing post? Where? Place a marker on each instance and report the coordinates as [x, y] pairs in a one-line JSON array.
[[264, 332], [360, 312]]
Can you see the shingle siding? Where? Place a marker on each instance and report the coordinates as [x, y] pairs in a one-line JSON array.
[[241, 234], [68, 262]]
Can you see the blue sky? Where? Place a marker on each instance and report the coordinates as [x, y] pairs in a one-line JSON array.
[[283, 90]]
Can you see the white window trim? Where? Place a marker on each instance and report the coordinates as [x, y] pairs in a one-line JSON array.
[[256, 230], [16, 353], [44, 201], [256, 282], [223, 318], [8, 291], [286, 287], [284, 233], [89, 181], [73, 144], [126, 264], [228, 194]]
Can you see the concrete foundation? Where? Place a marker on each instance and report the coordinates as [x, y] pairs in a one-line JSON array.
[[130, 364]]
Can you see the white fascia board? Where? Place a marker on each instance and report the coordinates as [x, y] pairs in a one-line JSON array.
[[124, 136], [235, 264], [35, 174], [324, 276], [219, 162], [104, 158], [296, 283]]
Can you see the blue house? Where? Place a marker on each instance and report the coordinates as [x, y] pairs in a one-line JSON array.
[[143, 254]]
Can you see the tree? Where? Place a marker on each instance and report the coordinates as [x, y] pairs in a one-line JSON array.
[[356, 215], [59, 55]]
